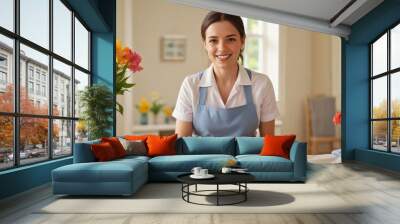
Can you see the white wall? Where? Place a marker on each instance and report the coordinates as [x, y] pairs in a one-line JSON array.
[[309, 62], [141, 25]]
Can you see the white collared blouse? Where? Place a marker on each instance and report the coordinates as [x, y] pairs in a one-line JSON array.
[[262, 89]]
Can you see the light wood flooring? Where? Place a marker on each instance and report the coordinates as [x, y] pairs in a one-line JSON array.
[[377, 188]]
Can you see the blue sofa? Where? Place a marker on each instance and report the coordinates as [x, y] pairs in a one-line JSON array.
[[125, 176]]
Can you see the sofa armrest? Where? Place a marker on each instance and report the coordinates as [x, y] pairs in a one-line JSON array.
[[83, 152], [298, 155]]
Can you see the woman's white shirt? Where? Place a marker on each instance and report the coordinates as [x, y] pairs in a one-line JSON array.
[[262, 89]]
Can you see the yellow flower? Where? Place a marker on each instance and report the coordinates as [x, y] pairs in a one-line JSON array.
[[143, 106], [167, 110], [119, 52]]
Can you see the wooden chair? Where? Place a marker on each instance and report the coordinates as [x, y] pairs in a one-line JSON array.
[[320, 129]]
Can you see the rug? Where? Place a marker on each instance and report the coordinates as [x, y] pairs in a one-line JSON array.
[[166, 198]]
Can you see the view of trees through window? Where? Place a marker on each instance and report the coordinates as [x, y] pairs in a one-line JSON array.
[[38, 75], [385, 92]]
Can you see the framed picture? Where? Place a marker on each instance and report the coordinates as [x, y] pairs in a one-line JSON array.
[[173, 48]]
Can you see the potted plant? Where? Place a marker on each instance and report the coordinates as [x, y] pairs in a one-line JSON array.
[[96, 102]]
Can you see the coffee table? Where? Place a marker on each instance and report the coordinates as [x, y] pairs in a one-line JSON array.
[[238, 179]]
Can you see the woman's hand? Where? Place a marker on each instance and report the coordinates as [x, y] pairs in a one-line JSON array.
[[267, 128], [183, 128]]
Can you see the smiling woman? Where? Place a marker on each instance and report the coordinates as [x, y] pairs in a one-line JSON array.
[[226, 99]]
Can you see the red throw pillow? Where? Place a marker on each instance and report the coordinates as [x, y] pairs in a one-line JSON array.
[[161, 145], [116, 145], [103, 151], [277, 145]]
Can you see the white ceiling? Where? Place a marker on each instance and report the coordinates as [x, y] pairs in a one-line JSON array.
[[314, 15]]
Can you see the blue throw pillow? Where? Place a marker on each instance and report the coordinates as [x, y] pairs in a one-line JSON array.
[[249, 145], [206, 145]]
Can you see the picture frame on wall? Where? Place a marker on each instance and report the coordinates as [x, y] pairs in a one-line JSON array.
[[173, 48]]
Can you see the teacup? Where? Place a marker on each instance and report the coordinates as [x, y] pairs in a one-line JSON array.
[[196, 170], [203, 172], [226, 170]]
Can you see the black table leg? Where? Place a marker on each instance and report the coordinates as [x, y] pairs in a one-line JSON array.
[[196, 188], [217, 194]]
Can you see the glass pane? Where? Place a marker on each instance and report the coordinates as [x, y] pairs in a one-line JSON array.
[[33, 139], [62, 89], [395, 94], [379, 98], [7, 14], [252, 53], [62, 141], [35, 21], [6, 142], [254, 26], [81, 81], [34, 97], [62, 29], [379, 135], [379, 55], [6, 74], [81, 45], [395, 136], [395, 47], [81, 131]]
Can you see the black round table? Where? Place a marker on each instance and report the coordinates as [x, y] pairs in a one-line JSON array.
[[238, 179]]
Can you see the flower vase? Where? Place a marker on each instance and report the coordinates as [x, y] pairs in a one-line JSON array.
[[166, 120], [155, 118], [144, 119]]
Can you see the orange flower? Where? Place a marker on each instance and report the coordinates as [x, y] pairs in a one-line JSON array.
[[337, 118], [119, 51]]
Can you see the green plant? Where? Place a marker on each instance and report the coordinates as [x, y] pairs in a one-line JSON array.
[[96, 102], [156, 107]]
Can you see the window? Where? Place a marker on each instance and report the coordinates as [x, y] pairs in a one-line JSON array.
[[30, 72], [261, 52], [30, 87], [385, 94], [3, 72], [3, 78], [54, 126]]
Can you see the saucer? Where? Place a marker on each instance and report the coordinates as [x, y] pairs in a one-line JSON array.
[[208, 176]]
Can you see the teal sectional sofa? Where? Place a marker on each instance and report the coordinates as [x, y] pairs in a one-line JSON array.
[[125, 176]]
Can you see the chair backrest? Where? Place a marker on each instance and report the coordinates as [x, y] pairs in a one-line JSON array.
[[320, 111]]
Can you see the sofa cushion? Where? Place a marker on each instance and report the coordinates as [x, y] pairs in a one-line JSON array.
[[185, 163], [111, 171], [257, 163], [206, 145], [249, 145]]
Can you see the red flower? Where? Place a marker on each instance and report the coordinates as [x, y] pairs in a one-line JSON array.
[[337, 118]]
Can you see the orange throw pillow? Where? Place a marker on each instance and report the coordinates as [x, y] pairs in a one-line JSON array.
[[277, 145], [116, 145], [136, 137], [103, 151], [161, 145]]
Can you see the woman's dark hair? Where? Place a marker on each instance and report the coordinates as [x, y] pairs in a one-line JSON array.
[[213, 17]]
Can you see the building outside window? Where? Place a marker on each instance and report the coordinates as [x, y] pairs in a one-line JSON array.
[[34, 79], [385, 92]]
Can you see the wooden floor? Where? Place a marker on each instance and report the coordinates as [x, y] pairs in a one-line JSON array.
[[378, 189]]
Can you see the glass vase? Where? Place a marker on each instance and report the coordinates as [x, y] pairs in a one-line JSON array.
[[144, 119]]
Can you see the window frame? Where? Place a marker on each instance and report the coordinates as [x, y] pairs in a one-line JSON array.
[[16, 115], [388, 74]]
